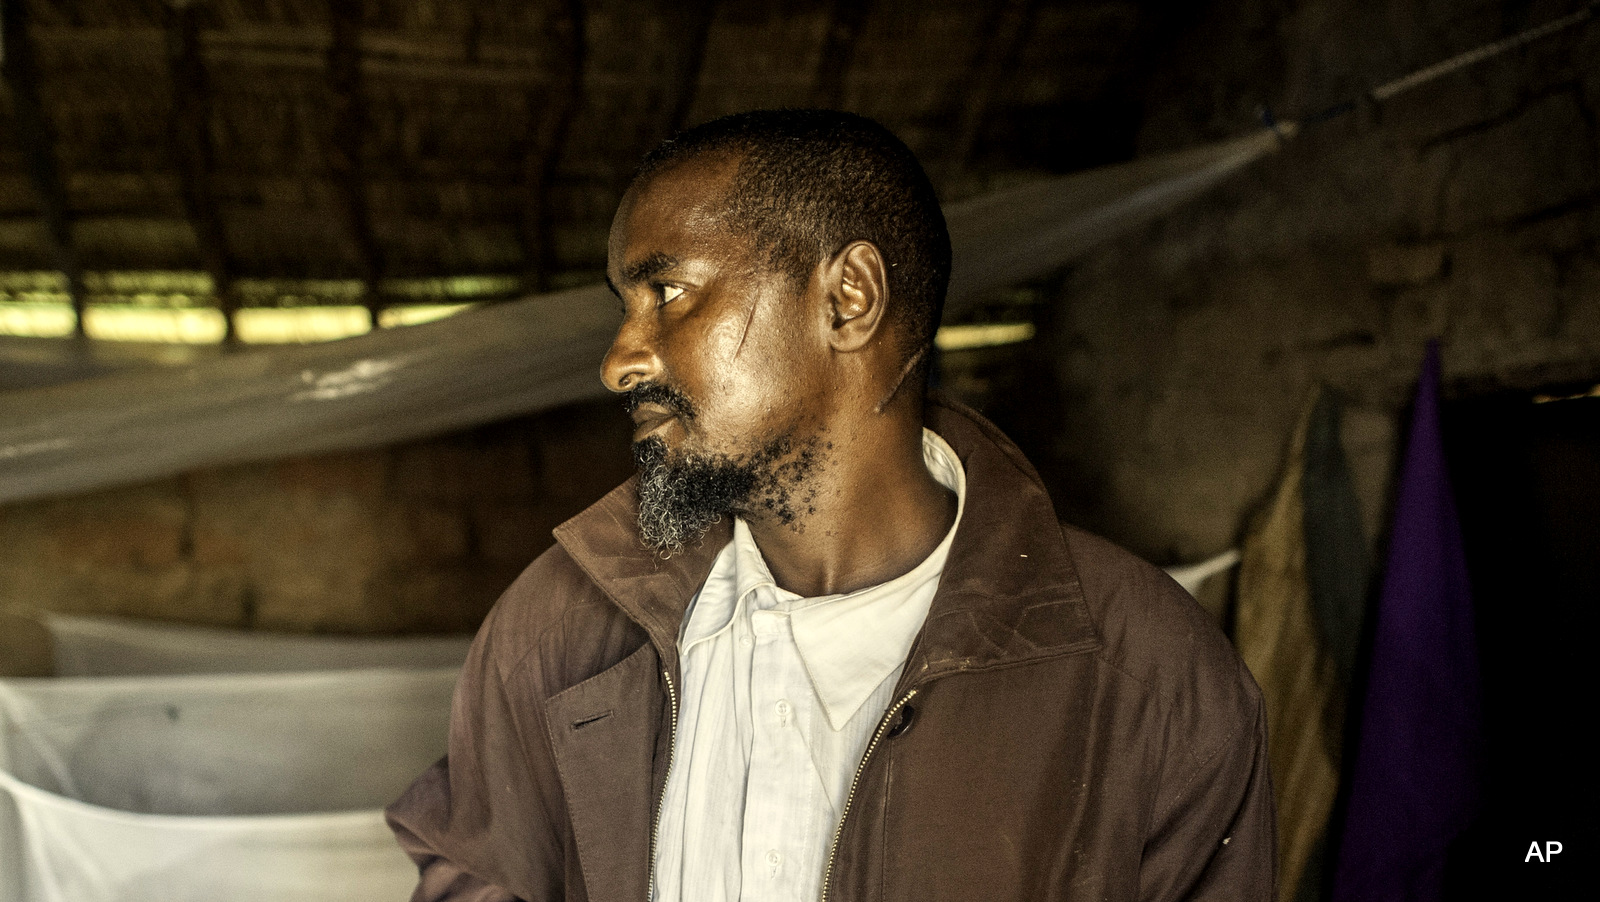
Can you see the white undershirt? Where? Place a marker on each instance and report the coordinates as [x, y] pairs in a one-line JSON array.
[[781, 695]]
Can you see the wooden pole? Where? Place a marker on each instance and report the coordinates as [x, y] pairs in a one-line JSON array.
[[190, 129], [845, 23], [547, 136], [349, 128], [1004, 34], [37, 142]]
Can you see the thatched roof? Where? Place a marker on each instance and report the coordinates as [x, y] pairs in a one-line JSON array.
[[358, 139]]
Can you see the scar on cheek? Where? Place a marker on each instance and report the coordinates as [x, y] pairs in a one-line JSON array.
[[748, 317]]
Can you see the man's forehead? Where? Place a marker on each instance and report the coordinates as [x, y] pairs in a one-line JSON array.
[[671, 214]]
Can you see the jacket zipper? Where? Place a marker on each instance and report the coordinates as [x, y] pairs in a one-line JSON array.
[[661, 803], [877, 736]]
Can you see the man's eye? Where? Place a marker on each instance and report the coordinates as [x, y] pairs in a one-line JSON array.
[[670, 293]]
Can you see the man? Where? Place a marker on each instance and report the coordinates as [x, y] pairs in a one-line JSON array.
[[831, 643]]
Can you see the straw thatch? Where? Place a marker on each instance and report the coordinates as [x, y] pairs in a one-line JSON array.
[[362, 139]]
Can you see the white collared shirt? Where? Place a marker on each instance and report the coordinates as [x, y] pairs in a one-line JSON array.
[[781, 695]]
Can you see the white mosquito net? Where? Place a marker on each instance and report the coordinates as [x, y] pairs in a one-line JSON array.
[[204, 784], [106, 646]]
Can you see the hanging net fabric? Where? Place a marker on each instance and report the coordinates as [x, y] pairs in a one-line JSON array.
[[502, 361], [108, 646], [205, 786], [183, 763]]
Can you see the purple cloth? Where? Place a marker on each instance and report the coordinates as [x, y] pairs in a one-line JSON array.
[[1415, 782]]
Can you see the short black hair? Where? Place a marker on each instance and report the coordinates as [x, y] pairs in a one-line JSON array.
[[810, 182]]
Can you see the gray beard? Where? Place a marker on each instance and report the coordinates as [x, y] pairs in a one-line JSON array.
[[681, 499]]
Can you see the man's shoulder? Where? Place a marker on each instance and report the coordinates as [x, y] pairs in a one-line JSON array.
[[1154, 632], [549, 604], [1149, 629]]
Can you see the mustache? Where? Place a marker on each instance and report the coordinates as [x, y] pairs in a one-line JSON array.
[[660, 394]]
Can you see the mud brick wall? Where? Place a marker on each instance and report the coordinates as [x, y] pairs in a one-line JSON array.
[[416, 538]]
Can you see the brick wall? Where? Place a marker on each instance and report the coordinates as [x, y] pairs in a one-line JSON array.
[[420, 537]]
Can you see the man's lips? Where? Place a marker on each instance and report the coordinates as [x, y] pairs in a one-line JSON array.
[[648, 417]]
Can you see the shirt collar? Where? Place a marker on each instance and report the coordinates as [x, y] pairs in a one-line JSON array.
[[849, 643]]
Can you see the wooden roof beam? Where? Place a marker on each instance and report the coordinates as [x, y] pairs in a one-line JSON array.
[[37, 142], [683, 80], [190, 128], [680, 85], [547, 136], [1003, 36], [845, 23], [349, 113], [297, 49]]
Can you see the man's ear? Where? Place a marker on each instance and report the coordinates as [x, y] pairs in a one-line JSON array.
[[858, 292]]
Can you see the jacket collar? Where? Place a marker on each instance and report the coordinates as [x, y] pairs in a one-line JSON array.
[[1010, 592]]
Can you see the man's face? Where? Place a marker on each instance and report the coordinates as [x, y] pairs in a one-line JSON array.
[[721, 359]]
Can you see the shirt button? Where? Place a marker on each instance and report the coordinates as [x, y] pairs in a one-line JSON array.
[[784, 708], [774, 860], [746, 641]]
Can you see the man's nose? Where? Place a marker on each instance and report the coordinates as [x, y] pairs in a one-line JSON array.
[[632, 358]]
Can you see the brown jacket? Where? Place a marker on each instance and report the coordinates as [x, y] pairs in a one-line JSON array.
[[1069, 725]]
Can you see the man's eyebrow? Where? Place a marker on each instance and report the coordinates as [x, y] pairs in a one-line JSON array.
[[648, 268]]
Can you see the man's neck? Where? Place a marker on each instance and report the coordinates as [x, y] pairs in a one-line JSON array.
[[876, 514]]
